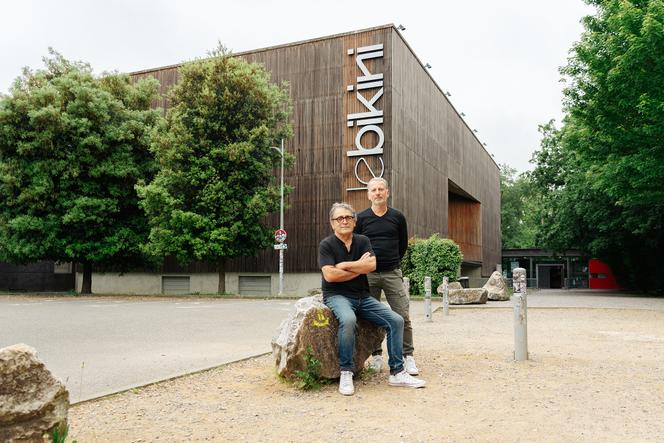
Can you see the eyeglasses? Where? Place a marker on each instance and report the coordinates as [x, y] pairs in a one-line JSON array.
[[344, 218]]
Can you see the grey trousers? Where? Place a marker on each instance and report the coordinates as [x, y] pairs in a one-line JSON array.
[[391, 283]]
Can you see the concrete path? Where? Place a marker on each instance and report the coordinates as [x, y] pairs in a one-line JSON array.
[[99, 346]]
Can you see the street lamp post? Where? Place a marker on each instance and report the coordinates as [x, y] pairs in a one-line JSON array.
[[281, 219]]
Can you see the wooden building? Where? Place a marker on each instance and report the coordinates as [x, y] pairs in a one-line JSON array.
[[564, 270], [364, 105]]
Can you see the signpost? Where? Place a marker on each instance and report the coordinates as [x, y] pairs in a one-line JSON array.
[[280, 235]]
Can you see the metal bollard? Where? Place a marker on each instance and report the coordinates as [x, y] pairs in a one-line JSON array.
[[519, 281], [427, 298], [406, 286], [446, 296], [520, 314]]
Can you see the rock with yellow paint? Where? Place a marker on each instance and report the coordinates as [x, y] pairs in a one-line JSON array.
[[311, 325]]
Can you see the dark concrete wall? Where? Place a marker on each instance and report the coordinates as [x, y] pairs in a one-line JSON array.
[[35, 277]]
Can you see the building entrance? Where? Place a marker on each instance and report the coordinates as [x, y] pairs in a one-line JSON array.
[[550, 276]]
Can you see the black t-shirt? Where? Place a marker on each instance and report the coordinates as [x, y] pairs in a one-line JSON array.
[[332, 251], [388, 235]]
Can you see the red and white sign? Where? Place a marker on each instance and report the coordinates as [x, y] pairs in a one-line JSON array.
[[280, 236]]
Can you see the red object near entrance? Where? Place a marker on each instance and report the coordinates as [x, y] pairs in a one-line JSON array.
[[601, 276]]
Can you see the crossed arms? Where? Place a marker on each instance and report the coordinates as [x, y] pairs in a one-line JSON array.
[[348, 270]]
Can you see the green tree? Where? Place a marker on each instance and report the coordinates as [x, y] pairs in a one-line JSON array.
[[215, 184], [519, 209], [72, 147], [615, 104], [604, 173]]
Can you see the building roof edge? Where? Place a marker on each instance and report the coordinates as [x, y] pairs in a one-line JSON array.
[[342, 34], [279, 46], [445, 96]]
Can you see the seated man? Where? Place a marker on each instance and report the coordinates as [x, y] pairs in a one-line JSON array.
[[345, 260]]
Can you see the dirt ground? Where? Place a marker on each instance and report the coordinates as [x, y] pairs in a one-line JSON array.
[[593, 375]]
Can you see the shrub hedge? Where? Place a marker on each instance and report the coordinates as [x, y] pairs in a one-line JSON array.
[[433, 257]]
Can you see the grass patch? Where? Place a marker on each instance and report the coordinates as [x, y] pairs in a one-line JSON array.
[[367, 373], [310, 378], [60, 433]]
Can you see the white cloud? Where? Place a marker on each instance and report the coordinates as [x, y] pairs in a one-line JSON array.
[[499, 60]]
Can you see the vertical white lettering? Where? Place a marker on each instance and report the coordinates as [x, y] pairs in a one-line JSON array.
[[361, 150], [371, 120], [367, 76], [372, 173]]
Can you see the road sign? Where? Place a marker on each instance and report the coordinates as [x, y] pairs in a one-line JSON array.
[[281, 246], [280, 236]]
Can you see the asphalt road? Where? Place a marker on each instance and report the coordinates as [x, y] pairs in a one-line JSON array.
[[98, 346]]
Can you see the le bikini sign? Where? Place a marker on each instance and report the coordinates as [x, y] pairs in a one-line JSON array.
[[368, 89]]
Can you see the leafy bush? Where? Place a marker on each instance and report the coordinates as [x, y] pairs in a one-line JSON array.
[[310, 378], [433, 257], [406, 262]]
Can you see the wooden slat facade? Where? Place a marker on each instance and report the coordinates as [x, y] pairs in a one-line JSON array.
[[464, 222], [431, 145], [425, 143]]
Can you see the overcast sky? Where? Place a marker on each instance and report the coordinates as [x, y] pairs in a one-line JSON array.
[[498, 59]]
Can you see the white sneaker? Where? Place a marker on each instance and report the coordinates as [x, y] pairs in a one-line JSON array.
[[376, 362], [409, 365], [346, 383], [403, 378]]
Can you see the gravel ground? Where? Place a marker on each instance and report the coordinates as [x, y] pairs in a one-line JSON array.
[[593, 375]]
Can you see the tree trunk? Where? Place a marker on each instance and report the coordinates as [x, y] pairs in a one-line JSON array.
[[221, 268], [86, 286]]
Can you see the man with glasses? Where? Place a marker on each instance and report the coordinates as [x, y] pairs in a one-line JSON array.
[[387, 229], [345, 260]]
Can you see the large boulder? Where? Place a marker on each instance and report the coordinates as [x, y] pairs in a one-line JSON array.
[[497, 287], [450, 286], [311, 324], [465, 296], [32, 402]]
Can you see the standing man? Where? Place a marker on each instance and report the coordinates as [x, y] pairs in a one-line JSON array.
[[387, 229], [345, 258]]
